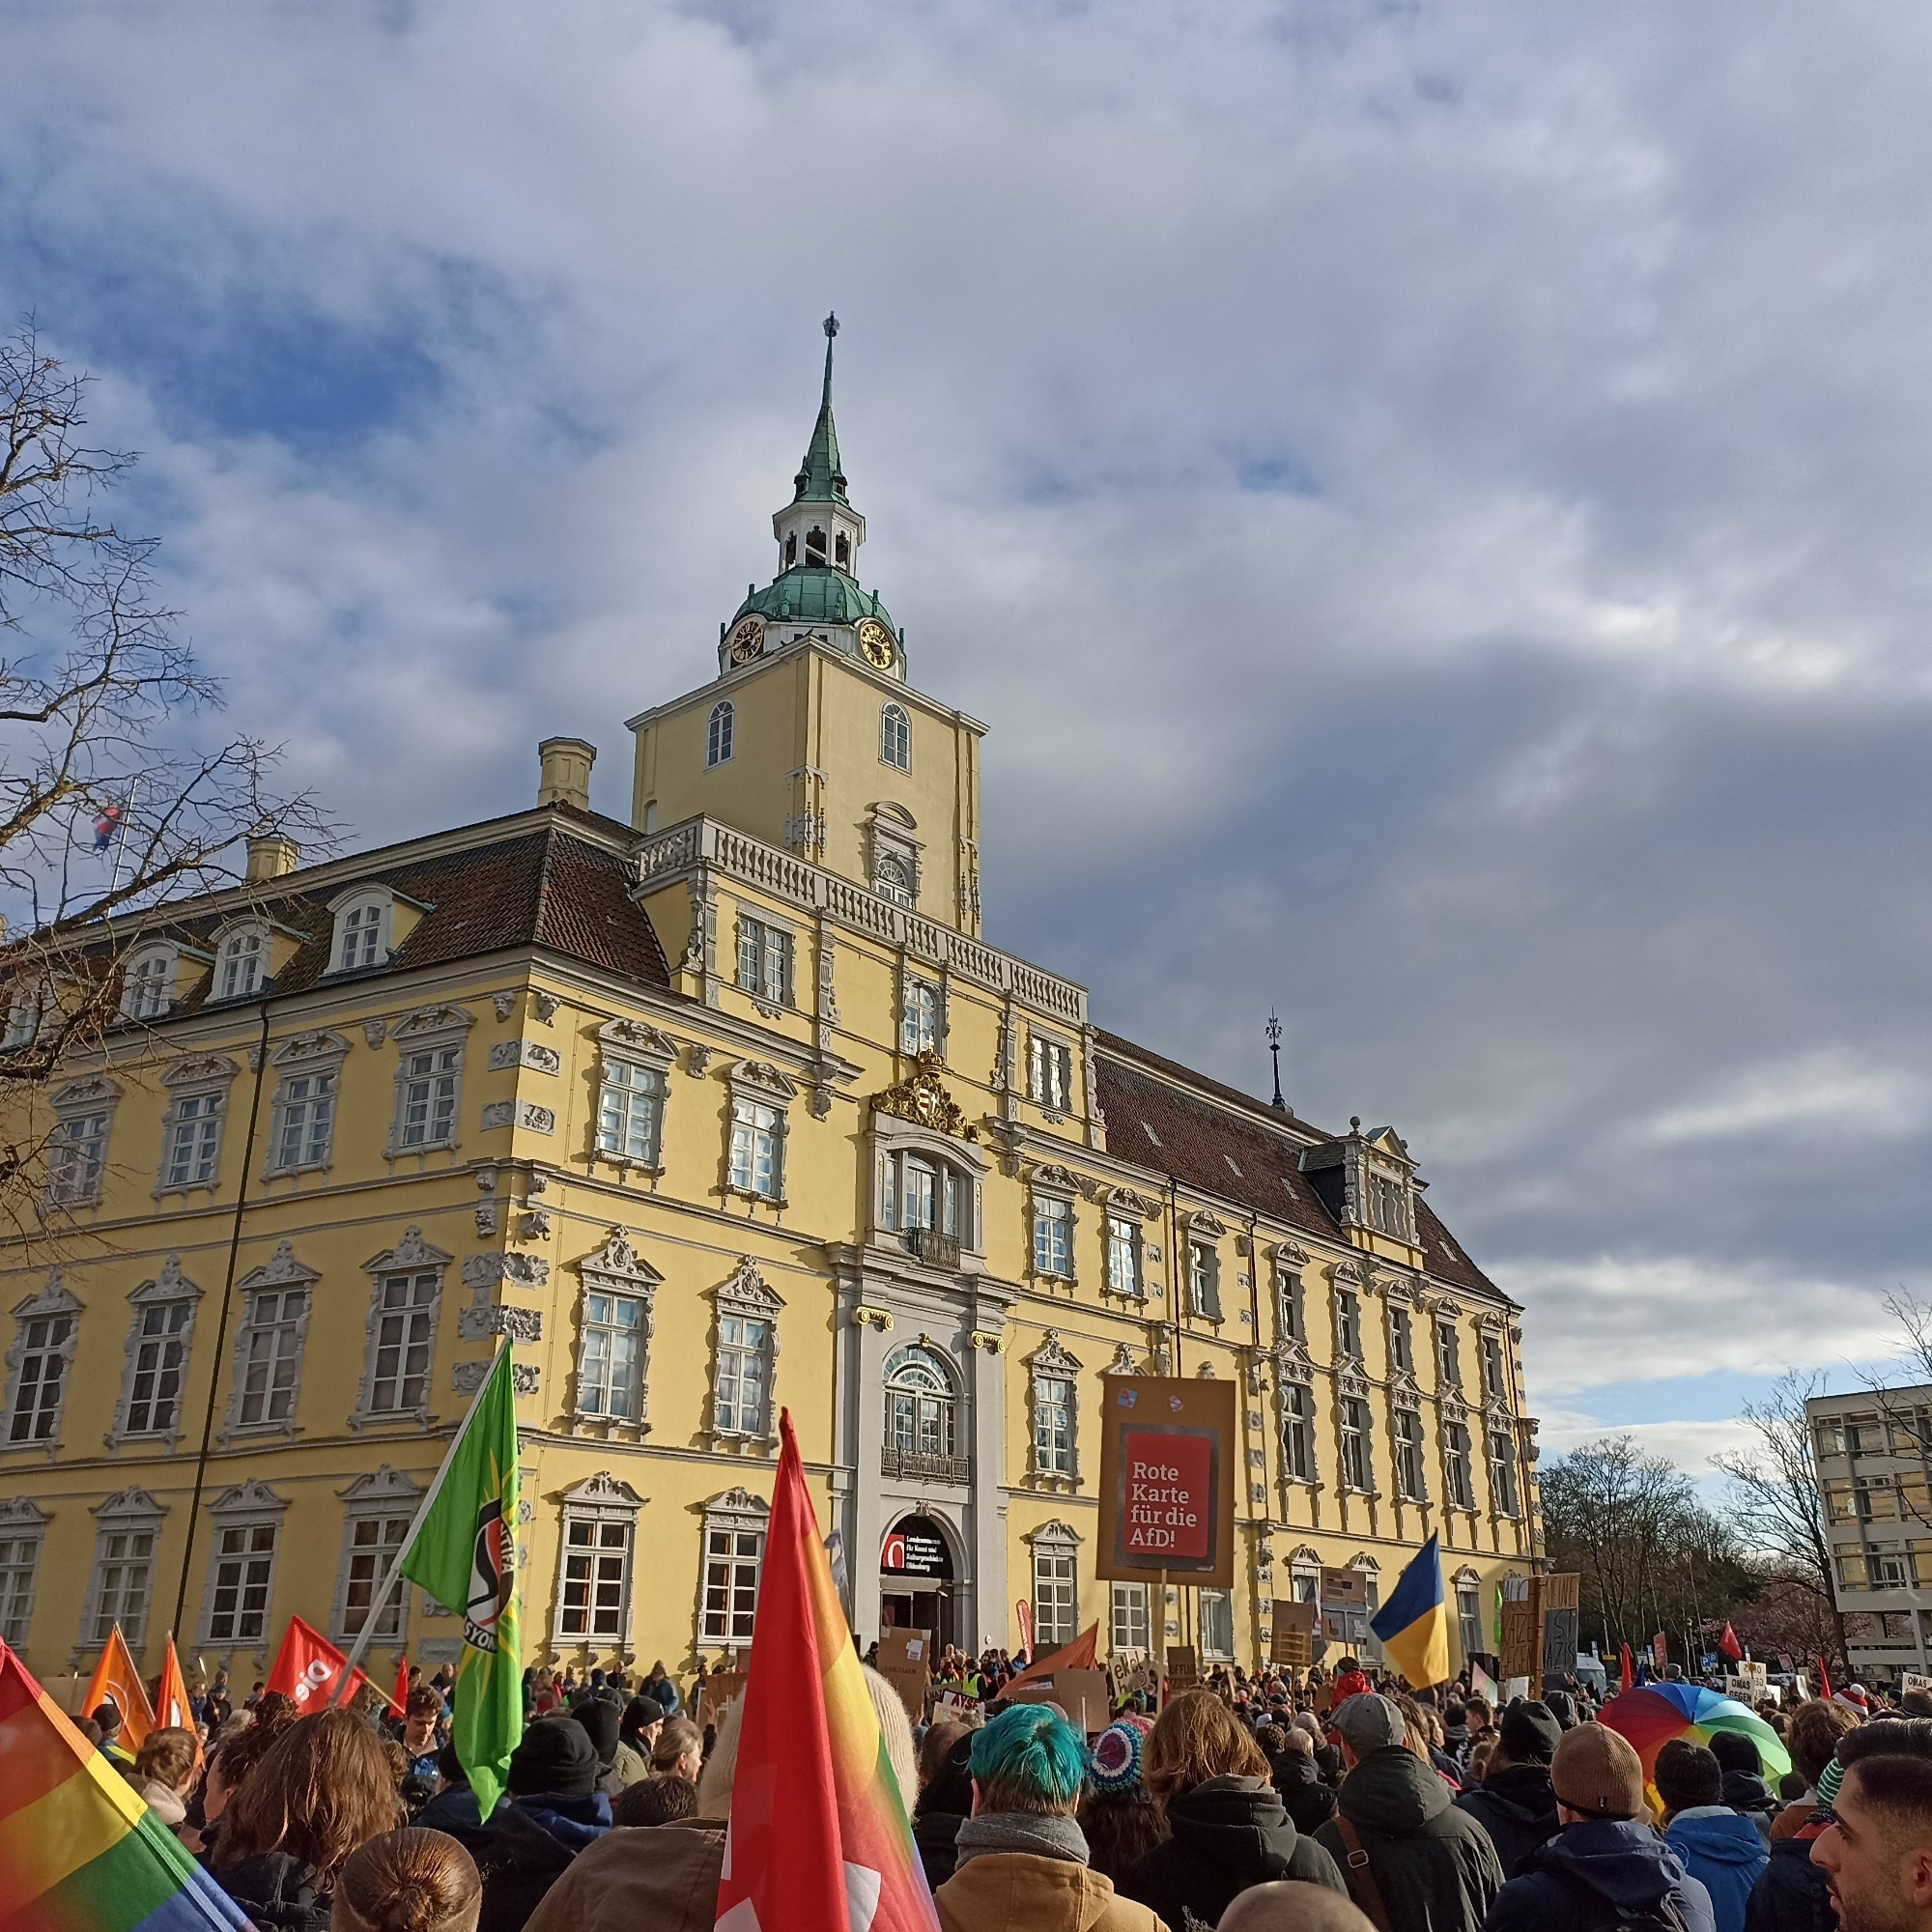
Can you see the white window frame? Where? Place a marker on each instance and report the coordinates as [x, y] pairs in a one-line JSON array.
[[1448, 1354], [729, 1520], [1505, 1485], [1128, 1613], [306, 1058], [744, 1297], [1348, 1321], [148, 980], [761, 1099], [616, 1270], [172, 1295], [1049, 1071], [1053, 1388], [282, 1276], [250, 1510], [439, 1033], [1401, 1339], [412, 1266], [23, 1527], [1459, 1479], [1409, 1457], [1354, 1424], [1126, 1256], [77, 1148], [47, 1328], [767, 956], [607, 1510], [895, 736], [1217, 1606], [26, 1013], [133, 1514], [1054, 1566], [645, 1056], [1495, 1359], [1291, 1307], [193, 1082], [922, 1016], [1468, 1588], [1204, 1277], [384, 1502], [1295, 1401], [361, 938], [721, 731], [241, 963]]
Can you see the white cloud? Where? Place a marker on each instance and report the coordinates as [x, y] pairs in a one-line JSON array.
[[1826, 1088]]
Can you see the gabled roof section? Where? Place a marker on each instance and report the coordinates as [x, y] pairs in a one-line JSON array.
[[1161, 1114]]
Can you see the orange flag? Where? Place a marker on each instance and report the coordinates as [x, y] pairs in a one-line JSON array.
[[1082, 1654], [171, 1706], [400, 1697], [117, 1681]]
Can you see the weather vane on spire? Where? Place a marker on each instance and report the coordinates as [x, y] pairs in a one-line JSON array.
[[1274, 1047]]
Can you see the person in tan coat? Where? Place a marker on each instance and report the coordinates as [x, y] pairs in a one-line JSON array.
[[1021, 1857]]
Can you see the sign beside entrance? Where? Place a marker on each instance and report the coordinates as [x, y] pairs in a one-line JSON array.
[[916, 1547], [905, 1662], [1167, 1480]]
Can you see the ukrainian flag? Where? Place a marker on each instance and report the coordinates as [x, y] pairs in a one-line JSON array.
[[1413, 1625]]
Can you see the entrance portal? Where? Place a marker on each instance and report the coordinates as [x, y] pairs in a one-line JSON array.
[[916, 1580]]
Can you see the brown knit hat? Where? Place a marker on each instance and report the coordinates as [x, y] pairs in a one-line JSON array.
[[1596, 1772]]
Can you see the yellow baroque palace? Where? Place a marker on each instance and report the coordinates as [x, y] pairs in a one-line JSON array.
[[726, 1110]]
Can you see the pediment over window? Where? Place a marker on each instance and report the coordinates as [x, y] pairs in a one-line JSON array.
[[250, 1498], [618, 1260], [95, 1090], [1055, 1532], [320, 1043], [737, 1509], [1051, 1356], [200, 1070], [133, 1504], [1123, 1201], [745, 1291], [922, 1098], [1465, 1576], [427, 1021], [1304, 1554], [170, 1285], [603, 1491], [898, 814], [383, 1485], [18, 1513], [761, 1076], [1362, 1560], [410, 1252], [645, 1043], [1062, 1180], [1205, 1223], [53, 1297], [281, 1269]]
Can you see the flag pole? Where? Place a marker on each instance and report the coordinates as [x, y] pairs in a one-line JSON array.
[[380, 1600]]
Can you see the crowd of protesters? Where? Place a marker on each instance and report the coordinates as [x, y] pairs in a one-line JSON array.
[[1327, 1803]]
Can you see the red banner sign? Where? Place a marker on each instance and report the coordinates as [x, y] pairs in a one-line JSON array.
[[1169, 1506]]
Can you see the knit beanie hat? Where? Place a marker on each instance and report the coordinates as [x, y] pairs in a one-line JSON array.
[[1115, 1760], [556, 1755], [1596, 1772], [1528, 1733], [601, 1721], [1828, 1780]]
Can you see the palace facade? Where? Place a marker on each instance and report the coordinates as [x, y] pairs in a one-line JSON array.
[[725, 1110]]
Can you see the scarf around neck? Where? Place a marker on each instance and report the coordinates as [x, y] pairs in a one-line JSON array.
[[1039, 1837]]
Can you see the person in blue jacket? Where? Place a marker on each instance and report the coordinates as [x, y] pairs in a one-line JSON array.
[[1721, 1848], [1606, 1868]]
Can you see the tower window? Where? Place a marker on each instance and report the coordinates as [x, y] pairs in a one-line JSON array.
[[841, 551], [815, 545], [718, 735], [896, 737], [791, 550]]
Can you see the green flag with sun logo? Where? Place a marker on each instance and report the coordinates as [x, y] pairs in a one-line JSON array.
[[464, 1553]]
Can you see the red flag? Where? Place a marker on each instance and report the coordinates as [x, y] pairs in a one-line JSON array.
[[1824, 1680], [117, 1681], [400, 1697], [1625, 1670], [1082, 1654], [1730, 1646], [819, 1840], [1660, 1650], [306, 1668]]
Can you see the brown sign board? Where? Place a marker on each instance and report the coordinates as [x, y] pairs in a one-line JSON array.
[[1523, 1638], [1294, 1648], [1167, 1480], [905, 1662], [1561, 1592], [1183, 1673], [1301, 1617], [1345, 1590], [718, 1693]]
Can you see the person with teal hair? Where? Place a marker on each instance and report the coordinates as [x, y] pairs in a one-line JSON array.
[[1021, 1857]]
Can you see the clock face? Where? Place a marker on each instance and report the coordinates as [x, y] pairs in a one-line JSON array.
[[748, 641], [876, 642]]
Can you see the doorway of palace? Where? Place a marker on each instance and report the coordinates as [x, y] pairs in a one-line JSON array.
[[916, 1580]]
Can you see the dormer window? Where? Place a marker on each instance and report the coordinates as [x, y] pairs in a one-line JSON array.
[[362, 932], [841, 551], [238, 968], [31, 1005], [814, 545], [148, 986]]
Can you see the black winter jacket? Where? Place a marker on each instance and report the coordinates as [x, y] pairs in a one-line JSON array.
[[1516, 1807], [275, 1890], [1309, 1802], [1601, 1873], [1229, 1833], [520, 1860], [1745, 1792], [934, 1834], [1435, 1865], [1791, 1895]]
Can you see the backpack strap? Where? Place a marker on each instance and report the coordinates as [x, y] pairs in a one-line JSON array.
[[1361, 1877]]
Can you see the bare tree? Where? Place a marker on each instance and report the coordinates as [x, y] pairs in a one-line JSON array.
[[107, 802], [1775, 1497]]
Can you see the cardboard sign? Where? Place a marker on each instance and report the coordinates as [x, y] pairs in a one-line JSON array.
[[1294, 1648], [905, 1662], [718, 1693], [1911, 1680], [1523, 1640], [1183, 1673], [1515, 1687], [1345, 1590], [1167, 1480], [1083, 1695]]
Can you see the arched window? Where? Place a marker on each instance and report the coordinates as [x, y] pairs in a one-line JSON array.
[[359, 934], [890, 882], [919, 1399], [148, 988], [896, 737], [718, 735], [841, 551], [791, 550], [814, 545], [238, 972]]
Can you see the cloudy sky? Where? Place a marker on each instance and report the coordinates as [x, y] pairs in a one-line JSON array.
[[1430, 500]]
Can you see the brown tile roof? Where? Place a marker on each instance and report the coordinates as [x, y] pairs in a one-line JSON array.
[[1223, 1142], [539, 887]]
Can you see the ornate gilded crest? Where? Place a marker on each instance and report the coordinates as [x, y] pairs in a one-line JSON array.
[[922, 1098]]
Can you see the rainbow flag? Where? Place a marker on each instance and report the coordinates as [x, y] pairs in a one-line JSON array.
[[819, 1840], [79, 1851]]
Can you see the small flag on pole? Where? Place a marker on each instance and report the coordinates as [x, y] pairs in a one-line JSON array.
[[1729, 1645], [105, 827]]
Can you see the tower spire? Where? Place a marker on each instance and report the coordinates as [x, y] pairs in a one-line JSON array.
[[820, 479]]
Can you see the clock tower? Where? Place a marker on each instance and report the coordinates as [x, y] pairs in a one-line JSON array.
[[810, 737]]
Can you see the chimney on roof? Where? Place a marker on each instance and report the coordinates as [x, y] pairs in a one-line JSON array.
[[271, 855], [564, 771]]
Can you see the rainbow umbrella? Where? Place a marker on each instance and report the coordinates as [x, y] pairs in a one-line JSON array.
[[1650, 1717]]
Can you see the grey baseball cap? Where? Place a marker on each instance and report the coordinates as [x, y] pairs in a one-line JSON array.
[[1370, 1723]]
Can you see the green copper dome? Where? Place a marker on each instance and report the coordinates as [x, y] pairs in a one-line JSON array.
[[812, 593]]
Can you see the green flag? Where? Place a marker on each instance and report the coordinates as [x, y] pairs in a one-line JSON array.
[[465, 1553]]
